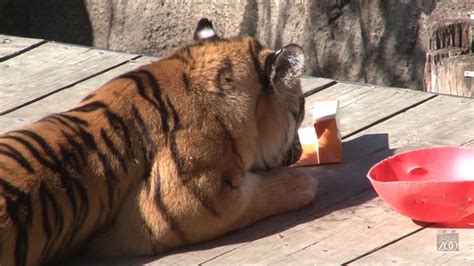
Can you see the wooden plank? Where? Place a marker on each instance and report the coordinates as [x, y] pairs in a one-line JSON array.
[[311, 85], [364, 105], [443, 120], [11, 45], [64, 99], [49, 68], [421, 248], [329, 236]]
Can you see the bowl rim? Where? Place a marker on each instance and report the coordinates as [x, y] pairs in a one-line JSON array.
[[436, 147]]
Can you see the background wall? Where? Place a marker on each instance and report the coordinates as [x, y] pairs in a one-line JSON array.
[[370, 41]]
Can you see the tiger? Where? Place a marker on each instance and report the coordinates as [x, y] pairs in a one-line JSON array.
[[179, 151]]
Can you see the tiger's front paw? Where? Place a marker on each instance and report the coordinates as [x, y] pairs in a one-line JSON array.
[[303, 188], [290, 188]]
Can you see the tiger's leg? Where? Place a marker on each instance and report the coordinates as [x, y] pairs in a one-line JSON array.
[[277, 191], [160, 217], [243, 200]]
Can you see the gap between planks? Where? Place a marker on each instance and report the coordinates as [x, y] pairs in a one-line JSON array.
[[21, 51], [48, 68], [65, 99], [69, 85], [383, 246], [389, 117], [11, 46]]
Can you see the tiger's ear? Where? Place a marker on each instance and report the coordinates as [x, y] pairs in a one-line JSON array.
[[204, 30], [287, 66]]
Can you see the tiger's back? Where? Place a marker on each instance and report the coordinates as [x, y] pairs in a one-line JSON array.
[[149, 160]]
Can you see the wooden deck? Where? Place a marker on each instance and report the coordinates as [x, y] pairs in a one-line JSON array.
[[346, 223]]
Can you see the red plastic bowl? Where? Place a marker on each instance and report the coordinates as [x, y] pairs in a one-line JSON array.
[[433, 185]]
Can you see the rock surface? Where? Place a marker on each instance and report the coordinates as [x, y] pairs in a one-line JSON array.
[[379, 42]]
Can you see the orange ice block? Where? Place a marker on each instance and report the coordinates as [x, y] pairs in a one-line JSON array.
[[322, 143]]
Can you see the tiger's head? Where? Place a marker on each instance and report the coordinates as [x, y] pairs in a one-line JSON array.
[[273, 78]]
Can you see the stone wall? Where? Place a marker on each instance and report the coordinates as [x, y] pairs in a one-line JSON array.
[[370, 41]]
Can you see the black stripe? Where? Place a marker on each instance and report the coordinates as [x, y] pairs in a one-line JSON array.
[[70, 158], [185, 79], [57, 167], [254, 50], [178, 162], [73, 119], [43, 194], [108, 170], [42, 142], [77, 147], [174, 115], [17, 156], [113, 149], [170, 220], [19, 208], [178, 56], [82, 216], [64, 119], [157, 95], [119, 126], [158, 103], [147, 148], [293, 153], [294, 114], [267, 68], [301, 114], [203, 198], [110, 178], [224, 77], [233, 144], [87, 139], [88, 97], [134, 76], [60, 120], [184, 56], [76, 158], [49, 197], [265, 164], [89, 107], [187, 52], [53, 167], [143, 129], [45, 163], [187, 181]]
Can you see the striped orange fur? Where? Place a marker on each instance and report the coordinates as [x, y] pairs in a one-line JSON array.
[[179, 151]]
